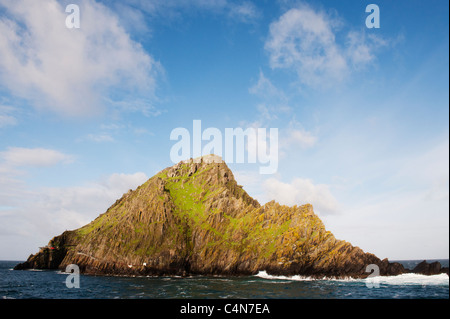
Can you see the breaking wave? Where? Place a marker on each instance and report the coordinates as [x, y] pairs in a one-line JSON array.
[[403, 279]]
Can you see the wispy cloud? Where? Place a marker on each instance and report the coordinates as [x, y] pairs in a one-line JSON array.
[[6, 116], [32, 216], [243, 12], [304, 40], [413, 203], [33, 157], [144, 106], [275, 103], [273, 100], [302, 191], [142, 131], [298, 138], [265, 89], [70, 71], [361, 48], [100, 138]]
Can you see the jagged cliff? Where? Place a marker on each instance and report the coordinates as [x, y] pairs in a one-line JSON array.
[[193, 218]]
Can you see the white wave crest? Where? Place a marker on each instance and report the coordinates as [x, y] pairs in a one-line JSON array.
[[404, 279], [265, 275], [413, 279]]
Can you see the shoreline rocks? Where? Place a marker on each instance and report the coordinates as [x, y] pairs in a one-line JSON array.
[[429, 269]]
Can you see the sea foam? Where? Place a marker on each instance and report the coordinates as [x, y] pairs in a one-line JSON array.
[[403, 279]]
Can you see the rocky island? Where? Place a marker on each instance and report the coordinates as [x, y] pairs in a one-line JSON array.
[[194, 219]]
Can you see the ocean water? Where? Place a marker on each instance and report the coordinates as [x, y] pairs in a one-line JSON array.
[[49, 284]]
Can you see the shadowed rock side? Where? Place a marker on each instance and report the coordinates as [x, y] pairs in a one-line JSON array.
[[193, 218], [430, 268]]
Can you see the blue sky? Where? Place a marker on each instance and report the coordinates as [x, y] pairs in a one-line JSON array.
[[362, 114]]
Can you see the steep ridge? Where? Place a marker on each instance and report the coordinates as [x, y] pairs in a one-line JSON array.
[[193, 218]]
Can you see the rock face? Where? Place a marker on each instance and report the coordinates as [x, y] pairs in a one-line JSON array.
[[51, 256], [193, 218], [425, 268]]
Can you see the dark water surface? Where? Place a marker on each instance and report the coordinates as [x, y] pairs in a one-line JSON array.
[[52, 285]]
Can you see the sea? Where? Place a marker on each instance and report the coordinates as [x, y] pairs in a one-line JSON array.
[[53, 284]]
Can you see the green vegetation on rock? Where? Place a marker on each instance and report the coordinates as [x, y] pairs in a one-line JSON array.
[[193, 218]]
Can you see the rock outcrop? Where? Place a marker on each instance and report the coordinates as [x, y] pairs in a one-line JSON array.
[[433, 268], [193, 218]]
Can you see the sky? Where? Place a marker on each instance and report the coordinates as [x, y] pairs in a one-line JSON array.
[[362, 113]]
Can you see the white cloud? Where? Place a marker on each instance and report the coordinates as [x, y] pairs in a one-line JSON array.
[[361, 48], [299, 137], [399, 224], [144, 106], [7, 120], [36, 157], [302, 191], [70, 71], [265, 88], [33, 216], [6, 117], [304, 40], [274, 99], [245, 12], [251, 180], [142, 131], [358, 51], [294, 137], [100, 138], [132, 19], [122, 182], [398, 207], [396, 225], [266, 112], [430, 171]]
